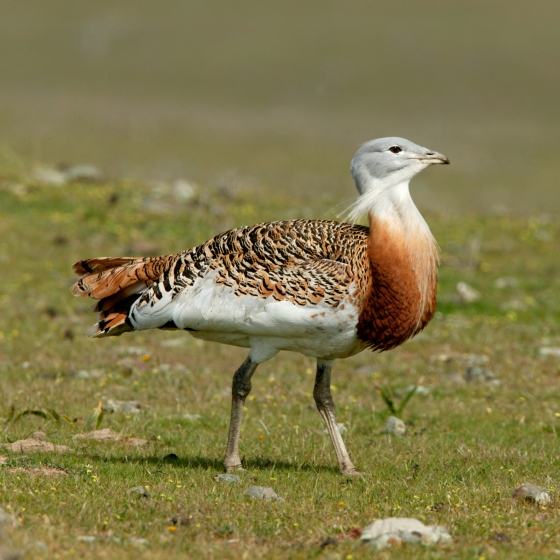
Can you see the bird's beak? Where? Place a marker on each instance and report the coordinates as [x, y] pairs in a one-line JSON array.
[[430, 158]]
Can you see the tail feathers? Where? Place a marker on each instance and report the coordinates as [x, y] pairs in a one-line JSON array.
[[117, 283], [113, 321], [113, 325], [106, 276], [109, 276], [100, 264], [109, 302]]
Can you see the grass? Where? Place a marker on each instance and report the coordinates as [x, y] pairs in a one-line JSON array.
[[467, 445]]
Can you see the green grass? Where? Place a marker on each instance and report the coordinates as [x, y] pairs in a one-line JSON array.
[[466, 449]]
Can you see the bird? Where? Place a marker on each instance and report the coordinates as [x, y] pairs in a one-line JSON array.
[[325, 289]]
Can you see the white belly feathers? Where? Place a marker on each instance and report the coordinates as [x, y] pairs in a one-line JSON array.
[[213, 312]]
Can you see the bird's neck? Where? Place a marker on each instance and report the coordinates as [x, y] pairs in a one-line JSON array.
[[403, 256]]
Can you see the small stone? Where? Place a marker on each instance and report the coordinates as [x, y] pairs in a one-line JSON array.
[[550, 351], [113, 405], [419, 390], [264, 493], [86, 173], [49, 176], [140, 490], [138, 542], [394, 426], [393, 531], [88, 374], [183, 191], [228, 478], [532, 493], [480, 375], [442, 358], [8, 520], [87, 538], [179, 520], [467, 293]]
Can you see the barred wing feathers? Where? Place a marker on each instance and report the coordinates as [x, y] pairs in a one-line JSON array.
[[222, 283]]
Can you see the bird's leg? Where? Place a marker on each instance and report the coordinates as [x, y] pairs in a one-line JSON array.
[[241, 387], [325, 404]]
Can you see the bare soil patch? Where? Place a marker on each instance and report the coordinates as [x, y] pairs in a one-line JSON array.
[[36, 442]]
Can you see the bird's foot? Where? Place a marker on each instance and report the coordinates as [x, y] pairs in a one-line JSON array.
[[351, 471], [235, 469], [233, 466]]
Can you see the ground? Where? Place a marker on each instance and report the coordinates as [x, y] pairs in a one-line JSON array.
[[467, 446]]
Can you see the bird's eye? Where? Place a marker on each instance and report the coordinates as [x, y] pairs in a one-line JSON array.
[[395, 149]]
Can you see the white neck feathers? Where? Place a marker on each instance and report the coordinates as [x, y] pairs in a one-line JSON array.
[[392, 208], [387, 201]]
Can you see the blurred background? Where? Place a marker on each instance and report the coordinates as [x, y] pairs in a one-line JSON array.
[[281, 94]]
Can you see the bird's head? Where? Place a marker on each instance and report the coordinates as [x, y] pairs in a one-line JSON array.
[[388, 162]]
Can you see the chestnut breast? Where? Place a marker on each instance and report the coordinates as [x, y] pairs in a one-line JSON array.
[[400, 297]]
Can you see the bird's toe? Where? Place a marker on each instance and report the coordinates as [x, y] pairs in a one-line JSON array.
[[353, 472], [234, 468]]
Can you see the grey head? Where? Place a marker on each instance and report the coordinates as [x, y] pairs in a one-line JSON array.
[[386, 162]]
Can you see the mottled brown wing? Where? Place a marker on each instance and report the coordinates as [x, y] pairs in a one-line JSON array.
[[303, 261]]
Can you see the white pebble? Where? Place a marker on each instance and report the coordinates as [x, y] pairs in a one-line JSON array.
[[393, 531], [264, 493], [394, 426], [532, 493], [550, 351], [467, 293]]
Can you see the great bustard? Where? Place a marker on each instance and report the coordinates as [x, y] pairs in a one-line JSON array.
[[326, 289]]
